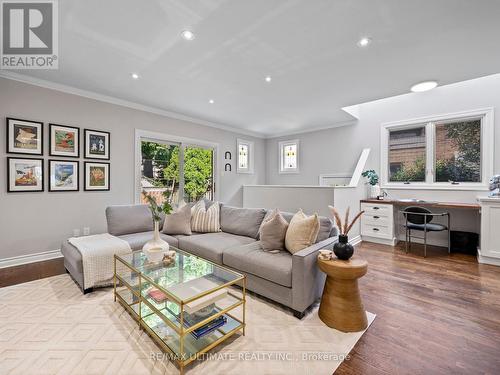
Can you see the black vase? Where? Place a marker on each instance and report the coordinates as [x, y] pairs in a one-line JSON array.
[[343, 249]]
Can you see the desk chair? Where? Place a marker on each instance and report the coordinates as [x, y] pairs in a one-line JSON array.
[[419, 219]]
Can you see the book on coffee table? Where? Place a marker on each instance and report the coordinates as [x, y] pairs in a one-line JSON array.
[[157, 295], [194, 287]]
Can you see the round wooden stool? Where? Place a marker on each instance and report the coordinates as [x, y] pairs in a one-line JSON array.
[[341, 307]]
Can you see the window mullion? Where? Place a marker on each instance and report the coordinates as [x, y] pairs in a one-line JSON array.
[[430, 145], [181, 171]]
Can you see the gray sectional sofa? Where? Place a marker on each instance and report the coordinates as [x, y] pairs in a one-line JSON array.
[[291, 280]]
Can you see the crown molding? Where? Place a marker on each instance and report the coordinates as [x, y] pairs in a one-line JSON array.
[[158, 111], [123, 103]]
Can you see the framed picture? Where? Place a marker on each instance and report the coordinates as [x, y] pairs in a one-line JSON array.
[[24, 137], [24, 175], [64, 141], [96, 176], [96, 144], [63, 175]]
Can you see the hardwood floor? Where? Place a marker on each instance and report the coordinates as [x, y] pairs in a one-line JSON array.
[[435, 315], [31, 271]]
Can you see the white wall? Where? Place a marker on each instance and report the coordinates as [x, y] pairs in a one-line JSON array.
[[336, 150], [38, 222]]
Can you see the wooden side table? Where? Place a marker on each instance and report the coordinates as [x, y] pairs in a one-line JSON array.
[[341, 306]]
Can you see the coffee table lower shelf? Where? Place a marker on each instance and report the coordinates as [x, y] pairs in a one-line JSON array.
[[169, 339]]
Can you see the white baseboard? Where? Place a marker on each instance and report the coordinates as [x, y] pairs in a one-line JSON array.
[[383, 241], [355, 240], [31, 258], [487, 260]]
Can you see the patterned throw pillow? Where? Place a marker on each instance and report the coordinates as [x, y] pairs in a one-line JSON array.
[[205, 220], [302, 232]]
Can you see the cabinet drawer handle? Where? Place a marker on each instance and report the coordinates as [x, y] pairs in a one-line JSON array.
[[376, 229], [376, 217], [376, 208]]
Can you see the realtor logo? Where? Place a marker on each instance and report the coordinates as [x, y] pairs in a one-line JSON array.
[[29, 34]]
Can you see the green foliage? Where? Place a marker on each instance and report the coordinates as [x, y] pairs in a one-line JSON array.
[[465, 167], [197, 170], [155, 156], [414, 172], [372, 176], [157, 210], [171, 171]]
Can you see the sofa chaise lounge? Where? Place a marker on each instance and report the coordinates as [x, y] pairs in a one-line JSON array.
[[291, 280]]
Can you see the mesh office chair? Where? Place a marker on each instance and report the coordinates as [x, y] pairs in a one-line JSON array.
[[419, 219]]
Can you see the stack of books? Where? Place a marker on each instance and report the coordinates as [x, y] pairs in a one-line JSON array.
[[185, 291], [191, 320]]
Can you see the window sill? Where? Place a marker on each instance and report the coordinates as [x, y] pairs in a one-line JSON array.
[[417, 186], [289, 172]]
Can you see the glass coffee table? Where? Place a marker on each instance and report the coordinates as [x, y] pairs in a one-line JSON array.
[[187, 306]]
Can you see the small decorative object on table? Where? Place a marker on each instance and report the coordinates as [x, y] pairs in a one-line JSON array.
[[495, 186], [343, 249], [156, 248], [169, 258], [325, 254], [373, 187]]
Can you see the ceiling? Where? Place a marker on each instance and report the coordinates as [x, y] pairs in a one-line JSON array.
[[308, 47]]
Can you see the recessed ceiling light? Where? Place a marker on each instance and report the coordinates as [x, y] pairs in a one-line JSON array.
[[268, 79], [364, 42], [135, 76], [424, 86], [187, 34], [211, 101]]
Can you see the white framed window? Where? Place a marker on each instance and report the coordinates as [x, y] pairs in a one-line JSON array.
[[245, 156], [289, 156], [450, 152]]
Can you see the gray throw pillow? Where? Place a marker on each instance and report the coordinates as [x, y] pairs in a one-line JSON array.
[[273, 232], [178, 222]]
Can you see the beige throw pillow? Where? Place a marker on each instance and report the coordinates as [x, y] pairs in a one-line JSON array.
[[205, 220], [179, 221], [302, 232], [273, 232]]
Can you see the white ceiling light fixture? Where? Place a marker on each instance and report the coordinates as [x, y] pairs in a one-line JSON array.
[[187, 35], [211, 101], [364, 42], [424, 86], [268, 79], [135, 76]]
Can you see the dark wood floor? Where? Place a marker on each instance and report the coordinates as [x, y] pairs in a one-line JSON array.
[[435, 315], [31, 271]]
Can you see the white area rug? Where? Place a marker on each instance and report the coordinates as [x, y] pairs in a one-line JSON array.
[[48, 327]]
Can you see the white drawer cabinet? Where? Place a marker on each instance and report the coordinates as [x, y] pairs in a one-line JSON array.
[[489, 251], [377, 223]]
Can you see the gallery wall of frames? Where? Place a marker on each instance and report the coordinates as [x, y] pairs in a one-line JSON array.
[[60, 172]]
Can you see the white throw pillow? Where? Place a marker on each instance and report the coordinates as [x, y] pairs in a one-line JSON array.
[[205, 220]]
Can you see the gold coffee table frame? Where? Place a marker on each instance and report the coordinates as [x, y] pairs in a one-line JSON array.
[[136, 301]]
